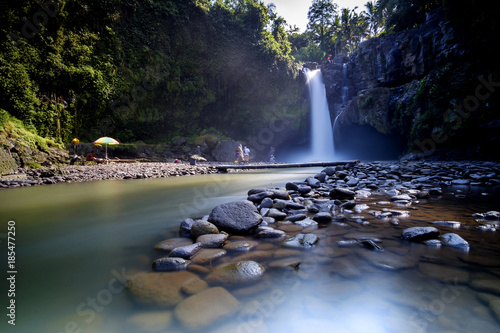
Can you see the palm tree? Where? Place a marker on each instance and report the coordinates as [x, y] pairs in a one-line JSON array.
[[350, 29], [374, 18]]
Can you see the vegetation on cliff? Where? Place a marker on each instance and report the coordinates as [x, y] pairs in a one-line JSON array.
[[155, 70], [145, 70]]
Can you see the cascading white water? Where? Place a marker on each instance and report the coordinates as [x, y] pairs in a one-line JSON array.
[[322, 145]]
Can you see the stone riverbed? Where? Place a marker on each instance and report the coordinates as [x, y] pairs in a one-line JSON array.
[[399, 244]]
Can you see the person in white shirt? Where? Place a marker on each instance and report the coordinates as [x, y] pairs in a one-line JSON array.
[[246, 154]]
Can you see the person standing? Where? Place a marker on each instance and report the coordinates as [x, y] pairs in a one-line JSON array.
[[246, 154], [270, 156]]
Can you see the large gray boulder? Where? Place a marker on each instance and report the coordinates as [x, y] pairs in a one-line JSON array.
[[235, 217]]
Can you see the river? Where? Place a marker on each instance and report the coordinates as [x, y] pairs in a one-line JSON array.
[[76, 244]]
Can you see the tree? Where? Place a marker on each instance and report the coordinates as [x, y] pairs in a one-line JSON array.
[[321, 17], [349, 30], [406, 14], [374, 18]]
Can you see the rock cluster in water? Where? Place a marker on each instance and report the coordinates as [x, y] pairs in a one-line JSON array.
[[226, 254]]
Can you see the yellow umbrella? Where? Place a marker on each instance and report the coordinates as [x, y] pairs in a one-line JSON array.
[[105, 140]]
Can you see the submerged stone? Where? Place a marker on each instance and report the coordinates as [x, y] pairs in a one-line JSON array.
[[451, 224], [212, 240], [237, 273], [207, 256], [170, 244], [206, 307], [154, 321], [159, 289], [241, 246], [170, 264], [444, 273], [486, 285], [302, 240]]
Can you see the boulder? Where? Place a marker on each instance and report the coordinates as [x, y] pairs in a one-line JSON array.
[[235, 217]]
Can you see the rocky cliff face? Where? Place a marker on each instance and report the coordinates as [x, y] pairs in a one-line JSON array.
[[402, 84]]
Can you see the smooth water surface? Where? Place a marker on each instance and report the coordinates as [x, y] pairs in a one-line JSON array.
[[72, 240]]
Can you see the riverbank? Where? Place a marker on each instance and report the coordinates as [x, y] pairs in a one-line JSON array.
[[95, 172], [456, 173]]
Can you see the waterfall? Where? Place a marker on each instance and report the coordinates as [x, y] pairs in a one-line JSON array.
[[322, 145]]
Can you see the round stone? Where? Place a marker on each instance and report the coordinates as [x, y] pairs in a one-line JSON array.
[[202, 228], [236, 273]]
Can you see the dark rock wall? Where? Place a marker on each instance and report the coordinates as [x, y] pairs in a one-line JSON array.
[[402, 84]]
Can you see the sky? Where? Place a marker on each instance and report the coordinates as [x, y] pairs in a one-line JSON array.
[[295, 11]]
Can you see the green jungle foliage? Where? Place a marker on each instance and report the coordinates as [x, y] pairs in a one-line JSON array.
[[145, 70], [153, 70]]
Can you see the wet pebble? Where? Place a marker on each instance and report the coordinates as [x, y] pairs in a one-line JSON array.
[[170, 264], [212, 240], [237, 273], [240, 246], [302, 241]]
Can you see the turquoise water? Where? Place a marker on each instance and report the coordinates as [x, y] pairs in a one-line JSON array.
[[77, 243], [71, 239]]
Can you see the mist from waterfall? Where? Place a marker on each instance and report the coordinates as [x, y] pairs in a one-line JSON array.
[[322, 146]]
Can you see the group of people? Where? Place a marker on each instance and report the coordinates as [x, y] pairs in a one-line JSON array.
[[242, 154]]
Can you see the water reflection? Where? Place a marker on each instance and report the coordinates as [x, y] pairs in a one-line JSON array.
[[77, 243]]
